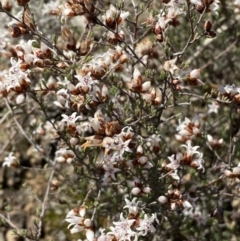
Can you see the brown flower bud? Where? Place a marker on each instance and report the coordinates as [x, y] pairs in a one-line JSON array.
[[39, 53], [22, 2], [7, 5], [24, 66], [212, 34], [166, 1], [84, 47], [111, 23], [39, 63], [15, 31], [112, 128], [207, 26]]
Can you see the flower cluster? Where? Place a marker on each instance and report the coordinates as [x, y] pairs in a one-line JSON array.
[[97, 89], [191, 157], [232, 92], [137, 224], [79, 223], [188, 129]]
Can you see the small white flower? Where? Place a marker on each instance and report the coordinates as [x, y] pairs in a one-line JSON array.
[[64, 155], [122, 230], [198, 162], [132, 206], [146, 225], [174, 175], [191, 150], [110, 170], [85, 82], [70, 120], [10, 160], [174, 161], [213, 107]]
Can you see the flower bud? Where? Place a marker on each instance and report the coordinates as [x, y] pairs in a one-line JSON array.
[[121, 36], [142, 160], [236, 171], [163, 199], [212, 34], [55, 185], [136, 191], [87, 222], [24, 66], [147, 190], [20, 99], [207, 26], [104, 93], [7, 5], [139, 150], [187, 204], [74, 141], [145, 86], [15, 31], [22, 2]]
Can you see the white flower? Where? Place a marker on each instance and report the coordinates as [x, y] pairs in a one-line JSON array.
[[214, 142], [10, 160], [191, 150], [213, 107], [153, 142], [188, 129], [70, 120], [64, 155], [194, 77], [229, 89], [122, 230], [174, 175], [146, 225], [76, 222], [114, 17], [198, 162], [187, 204], [174, 161], [63, 98], [103, 236], [85, 83], [132, 206], [120, 146], [110, 171]]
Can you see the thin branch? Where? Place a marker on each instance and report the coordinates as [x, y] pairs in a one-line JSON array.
[[12, 225], [21, 129], [45, 199], [95, 208], [32, 32], [191, 38]]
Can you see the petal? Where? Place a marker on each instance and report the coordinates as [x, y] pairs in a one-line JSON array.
[[89, 235]]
